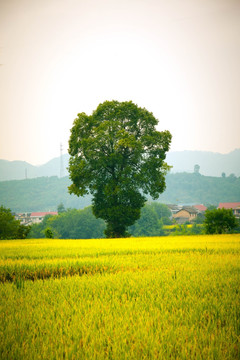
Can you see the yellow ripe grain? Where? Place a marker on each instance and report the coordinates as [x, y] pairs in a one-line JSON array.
[[145, 298]]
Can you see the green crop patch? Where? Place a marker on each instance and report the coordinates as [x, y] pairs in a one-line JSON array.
[[26, 272]]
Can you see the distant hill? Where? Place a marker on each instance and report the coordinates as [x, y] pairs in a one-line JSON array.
[[190, 189], [46, 193], [211, 164], [18, 170], [39, 194]]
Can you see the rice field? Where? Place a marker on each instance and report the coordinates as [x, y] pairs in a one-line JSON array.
[[136, 298]]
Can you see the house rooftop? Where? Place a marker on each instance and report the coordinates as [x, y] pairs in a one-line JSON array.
[[200, 207], [43, 213], [173, 206], [230, 205], [190, 209]]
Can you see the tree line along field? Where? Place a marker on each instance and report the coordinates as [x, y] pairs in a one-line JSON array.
[[132, 298]]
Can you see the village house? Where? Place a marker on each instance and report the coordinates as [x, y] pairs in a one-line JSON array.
[[236, 212], [24, 218], [34, 217], [38, 217], [235, 206], [174, 208], [186, 214]]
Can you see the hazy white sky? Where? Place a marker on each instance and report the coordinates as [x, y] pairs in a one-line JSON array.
[[180, 59]]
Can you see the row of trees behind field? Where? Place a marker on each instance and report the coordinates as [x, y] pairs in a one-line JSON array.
[[155, 220], [82, 224]]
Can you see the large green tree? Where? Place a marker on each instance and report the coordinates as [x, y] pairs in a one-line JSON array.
[[118, 156], [219, 221]]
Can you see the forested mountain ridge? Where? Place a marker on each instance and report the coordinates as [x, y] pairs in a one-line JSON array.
[[211, 164], [19, 170], [187, 188], [46, 193], [39, 194]]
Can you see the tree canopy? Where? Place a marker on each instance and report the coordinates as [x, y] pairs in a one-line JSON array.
[[117, 155], [70, 224], [10, 228], [219, 221], [149, 223]]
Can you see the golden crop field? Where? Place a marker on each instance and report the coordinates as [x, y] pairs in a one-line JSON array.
[[136, 298]]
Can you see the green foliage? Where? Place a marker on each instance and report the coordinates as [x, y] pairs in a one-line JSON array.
[[237, 228], [153, 216], [196, 169], [48, 233], [81, 224], [71, 224], [186, 230], [149, 223], [181, 230], [211, 207], [162, 212], [23, 231], [38, 230], [199, 219], [115, 154], [61, 208], [197, 229], [8, 224], [78, 224], [219, 221], [10, 228]]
